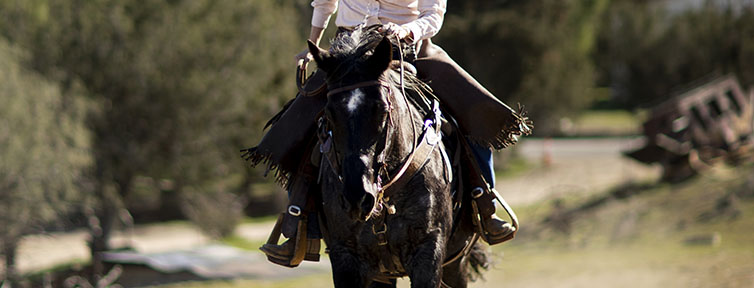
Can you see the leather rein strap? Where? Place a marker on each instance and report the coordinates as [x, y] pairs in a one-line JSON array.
[[301, 81], [415, 161]]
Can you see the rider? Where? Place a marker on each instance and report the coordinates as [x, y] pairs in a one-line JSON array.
[[415, 22]]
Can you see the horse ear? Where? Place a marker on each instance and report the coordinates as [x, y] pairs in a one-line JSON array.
[[380, 59], [321, 56]]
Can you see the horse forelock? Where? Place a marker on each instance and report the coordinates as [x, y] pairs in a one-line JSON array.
[[356, 43], [351, 48]]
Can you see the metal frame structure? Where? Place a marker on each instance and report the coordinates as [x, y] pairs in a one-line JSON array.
[[710, 122]]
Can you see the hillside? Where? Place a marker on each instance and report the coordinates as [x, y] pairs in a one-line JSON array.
[[694, 234]]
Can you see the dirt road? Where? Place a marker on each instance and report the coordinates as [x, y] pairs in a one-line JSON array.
[[573, 167]]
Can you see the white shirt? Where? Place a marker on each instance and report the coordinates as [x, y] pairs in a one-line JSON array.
[[422, 17]]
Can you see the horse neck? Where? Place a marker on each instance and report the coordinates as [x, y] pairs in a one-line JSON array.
[[407, 123]]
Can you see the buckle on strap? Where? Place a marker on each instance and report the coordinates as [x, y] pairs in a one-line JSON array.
[[477, 192], [294, 210], [381, 237]]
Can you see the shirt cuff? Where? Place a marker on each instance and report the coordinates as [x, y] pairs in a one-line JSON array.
[[416, 31]]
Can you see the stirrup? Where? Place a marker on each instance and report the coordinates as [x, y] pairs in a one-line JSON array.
[[301, 249], [478, 221], [312, 254]]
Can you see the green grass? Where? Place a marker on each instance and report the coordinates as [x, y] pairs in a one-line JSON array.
[[71, 267], [255, 220], [606, 123], [515, 166], [241, 243], [613, 118]]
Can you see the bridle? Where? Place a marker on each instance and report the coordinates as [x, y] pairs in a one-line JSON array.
[[422, 148], [413, 162], [325, 137]]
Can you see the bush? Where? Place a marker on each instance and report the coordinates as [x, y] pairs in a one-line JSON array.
[[216, 213]]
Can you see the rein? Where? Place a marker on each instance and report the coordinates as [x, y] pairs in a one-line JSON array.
[[413, 129]]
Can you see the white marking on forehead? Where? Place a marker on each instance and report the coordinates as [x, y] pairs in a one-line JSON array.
[[354, 100]]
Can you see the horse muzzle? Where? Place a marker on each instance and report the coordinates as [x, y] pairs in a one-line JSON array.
[[361, 200]]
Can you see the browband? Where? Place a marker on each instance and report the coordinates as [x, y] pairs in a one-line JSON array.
[[355, 86]]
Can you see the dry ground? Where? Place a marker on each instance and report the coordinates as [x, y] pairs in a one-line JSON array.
[[664, 236], [577, 167], [636, 242]]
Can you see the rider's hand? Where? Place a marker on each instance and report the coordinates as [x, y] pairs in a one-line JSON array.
[[303, 57], [396, 30]]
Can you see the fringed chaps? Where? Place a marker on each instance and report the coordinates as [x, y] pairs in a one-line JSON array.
[[481, 116]]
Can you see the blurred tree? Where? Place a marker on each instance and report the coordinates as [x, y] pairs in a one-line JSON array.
[[646, 52], [180, 86], [532, 52], [44, 149]]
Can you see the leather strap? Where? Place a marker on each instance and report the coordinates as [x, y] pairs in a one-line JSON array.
[[301, 245], [389, 263], [415, 161], [355, 86], [302, 80], [485, 199], [276, 231]]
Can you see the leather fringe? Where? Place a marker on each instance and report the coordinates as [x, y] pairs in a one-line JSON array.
[[254, 157], [509, 135]]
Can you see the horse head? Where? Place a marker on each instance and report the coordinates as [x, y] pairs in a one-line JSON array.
[[357, 113]]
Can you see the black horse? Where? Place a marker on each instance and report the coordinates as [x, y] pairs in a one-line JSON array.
[[384, 218]]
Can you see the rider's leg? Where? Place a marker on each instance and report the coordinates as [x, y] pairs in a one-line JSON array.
[[495, 227], [480, 115], [483, 157], [297, 119], [301, 213]]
